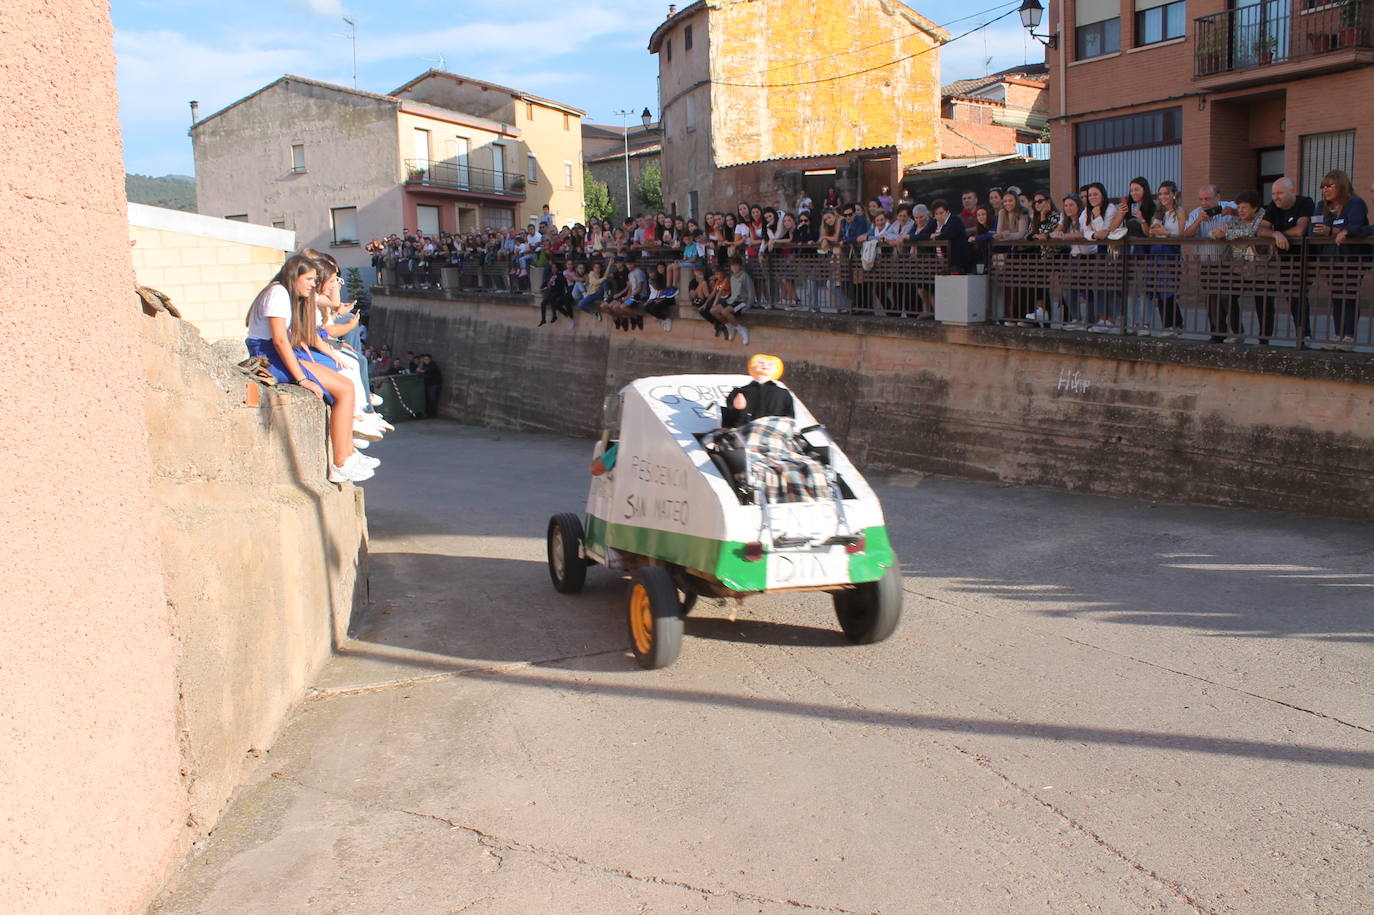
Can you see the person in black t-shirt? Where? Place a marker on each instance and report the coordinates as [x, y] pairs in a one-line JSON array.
[[1286, 219], [761, 397]]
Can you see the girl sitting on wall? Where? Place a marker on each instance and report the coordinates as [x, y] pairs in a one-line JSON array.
[[281, 328]]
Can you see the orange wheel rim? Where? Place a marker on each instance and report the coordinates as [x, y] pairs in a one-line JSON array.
[[641, 620]]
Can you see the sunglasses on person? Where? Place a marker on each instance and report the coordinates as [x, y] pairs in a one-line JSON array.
[[1328, 184]]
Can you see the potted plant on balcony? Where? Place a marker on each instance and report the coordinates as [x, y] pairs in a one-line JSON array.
[[1264, 49], [1208, 53], [415, 174], [516, 182]]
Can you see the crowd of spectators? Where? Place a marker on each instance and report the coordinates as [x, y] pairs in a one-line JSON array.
[[644, 266]]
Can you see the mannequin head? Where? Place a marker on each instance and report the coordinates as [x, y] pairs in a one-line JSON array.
[[763, 367]]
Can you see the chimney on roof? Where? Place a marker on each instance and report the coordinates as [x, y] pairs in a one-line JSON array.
[[195, 113], [672, 10]]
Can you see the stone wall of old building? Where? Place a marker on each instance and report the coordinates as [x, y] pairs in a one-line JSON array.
[[1139, 418]]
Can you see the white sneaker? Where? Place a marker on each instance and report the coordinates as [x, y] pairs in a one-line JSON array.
[[743, 334], [730, 331], [1236, 338], [369, 462], [667, 325], [360, 442], [380, 422], [375, 400], [352, 471], [362, 429]]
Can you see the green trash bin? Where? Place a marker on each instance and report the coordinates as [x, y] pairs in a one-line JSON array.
[[403, 397]]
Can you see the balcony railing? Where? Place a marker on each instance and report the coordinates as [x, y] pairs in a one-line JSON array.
[[1278, 31], [457, 176]]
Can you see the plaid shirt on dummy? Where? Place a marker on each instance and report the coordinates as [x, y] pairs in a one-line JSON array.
[[777, 468]]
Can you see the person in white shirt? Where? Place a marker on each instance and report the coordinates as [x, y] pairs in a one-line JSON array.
[[1095, 223], [282, 329]]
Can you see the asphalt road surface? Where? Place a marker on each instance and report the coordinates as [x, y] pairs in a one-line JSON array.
[[1091, 705]]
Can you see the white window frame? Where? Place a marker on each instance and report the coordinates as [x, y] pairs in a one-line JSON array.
[[297, 158], [334, 213]]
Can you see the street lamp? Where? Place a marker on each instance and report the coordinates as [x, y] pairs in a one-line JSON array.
[[1031, 11], [647, 117], [625, 123]]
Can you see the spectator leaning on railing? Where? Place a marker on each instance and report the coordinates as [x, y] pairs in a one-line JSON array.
[[1245, 225], [1166, 223], [1210, 215], [1340, 215], [1287, 219]]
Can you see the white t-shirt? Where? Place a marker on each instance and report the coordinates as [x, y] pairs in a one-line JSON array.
[[272, 302]]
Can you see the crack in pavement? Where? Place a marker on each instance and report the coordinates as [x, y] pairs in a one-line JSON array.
[[1173, 886], [494, 845], [1181, 673], [315, 693]]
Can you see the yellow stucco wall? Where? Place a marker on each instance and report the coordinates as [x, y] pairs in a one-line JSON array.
[[442, 136], [210, 281], [786, 81], [553, 137]]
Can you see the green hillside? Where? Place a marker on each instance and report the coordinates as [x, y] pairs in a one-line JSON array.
[[175, 192]]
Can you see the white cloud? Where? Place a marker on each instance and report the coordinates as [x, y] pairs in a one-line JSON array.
[[325, 7]]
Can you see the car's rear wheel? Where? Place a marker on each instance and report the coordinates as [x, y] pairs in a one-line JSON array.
[[567, 568], [870, 611], [655, 616]]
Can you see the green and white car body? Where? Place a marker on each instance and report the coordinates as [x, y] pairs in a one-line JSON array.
[[666, 502]]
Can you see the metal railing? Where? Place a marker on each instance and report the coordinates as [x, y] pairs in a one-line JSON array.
[[1313, 294], [457, 176], [1277, 31]]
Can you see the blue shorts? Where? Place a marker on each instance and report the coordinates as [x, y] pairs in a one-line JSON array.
[[259, 347]]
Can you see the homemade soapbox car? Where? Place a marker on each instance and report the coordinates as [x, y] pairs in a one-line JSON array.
[[690, 510]]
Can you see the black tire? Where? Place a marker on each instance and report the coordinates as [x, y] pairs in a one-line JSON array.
[[655, 617], [567, 568], [870, 611]]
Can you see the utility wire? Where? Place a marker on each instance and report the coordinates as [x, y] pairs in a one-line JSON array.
[[882, 66], [877, 44]]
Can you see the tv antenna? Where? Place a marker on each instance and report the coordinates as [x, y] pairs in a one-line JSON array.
[[436, 60], [352, 23]]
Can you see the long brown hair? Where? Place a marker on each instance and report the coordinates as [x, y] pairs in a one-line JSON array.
[[302, 307], [1344, 191]]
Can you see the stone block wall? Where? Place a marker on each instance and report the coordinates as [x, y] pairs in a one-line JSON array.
[[1132, 417], [211, 268]]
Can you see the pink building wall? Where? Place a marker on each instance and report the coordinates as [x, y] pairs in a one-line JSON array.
[[89, 787]]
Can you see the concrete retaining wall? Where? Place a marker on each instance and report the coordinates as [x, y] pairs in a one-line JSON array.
[[1144, 418], [263, 559]]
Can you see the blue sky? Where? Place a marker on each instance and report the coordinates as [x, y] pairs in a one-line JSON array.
[[591, 54]]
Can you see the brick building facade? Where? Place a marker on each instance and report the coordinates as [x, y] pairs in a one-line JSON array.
[[1198, 92]]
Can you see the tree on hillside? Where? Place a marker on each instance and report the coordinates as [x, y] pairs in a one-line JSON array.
[[596, 196], [174, 193], [649, 188]]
